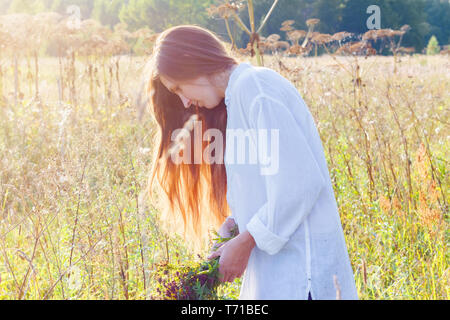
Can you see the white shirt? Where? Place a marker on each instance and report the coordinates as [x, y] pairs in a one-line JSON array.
[[289, 208]]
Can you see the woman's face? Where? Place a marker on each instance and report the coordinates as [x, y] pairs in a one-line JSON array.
[[198, 92]]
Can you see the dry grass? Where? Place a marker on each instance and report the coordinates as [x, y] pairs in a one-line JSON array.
[[75, 223]]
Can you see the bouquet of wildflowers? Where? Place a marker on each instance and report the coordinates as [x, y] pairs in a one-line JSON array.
[[196, 281]]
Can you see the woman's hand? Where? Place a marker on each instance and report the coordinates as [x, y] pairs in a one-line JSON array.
[[234, 256], [225, 231]]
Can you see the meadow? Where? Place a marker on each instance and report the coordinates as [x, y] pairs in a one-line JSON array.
[[76, 221]]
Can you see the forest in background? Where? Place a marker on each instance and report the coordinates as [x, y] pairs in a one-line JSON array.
[[425, 17]]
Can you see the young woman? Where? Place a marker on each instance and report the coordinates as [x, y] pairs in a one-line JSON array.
[[290, 243]]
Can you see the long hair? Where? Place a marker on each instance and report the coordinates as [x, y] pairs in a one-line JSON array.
[[194, 191]]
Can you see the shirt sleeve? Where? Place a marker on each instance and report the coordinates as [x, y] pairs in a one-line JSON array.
[[294, 187]]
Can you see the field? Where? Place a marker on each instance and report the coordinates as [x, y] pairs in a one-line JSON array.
[[76, 222]]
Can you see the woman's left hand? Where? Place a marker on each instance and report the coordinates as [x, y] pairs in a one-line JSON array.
[[234, 255]]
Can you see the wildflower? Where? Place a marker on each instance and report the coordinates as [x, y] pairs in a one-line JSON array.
[[195, 282]]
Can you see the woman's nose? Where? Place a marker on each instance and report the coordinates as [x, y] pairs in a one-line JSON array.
[[187, 102]]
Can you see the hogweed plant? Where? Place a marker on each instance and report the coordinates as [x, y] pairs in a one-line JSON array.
[[230, 9]]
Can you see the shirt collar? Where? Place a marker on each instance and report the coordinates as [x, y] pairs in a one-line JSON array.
[[232, 80]]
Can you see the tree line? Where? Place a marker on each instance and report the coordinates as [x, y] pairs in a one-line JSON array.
[[425, 17]]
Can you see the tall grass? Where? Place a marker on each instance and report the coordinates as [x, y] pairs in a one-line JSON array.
[[76, 223]]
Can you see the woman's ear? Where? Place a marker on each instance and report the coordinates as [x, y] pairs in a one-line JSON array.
[[212, 79]]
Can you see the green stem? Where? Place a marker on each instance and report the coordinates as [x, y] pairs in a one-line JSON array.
[[267, 16], [229, 33], [241, 24], [257, 53], [310, 30], [251, 15]]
